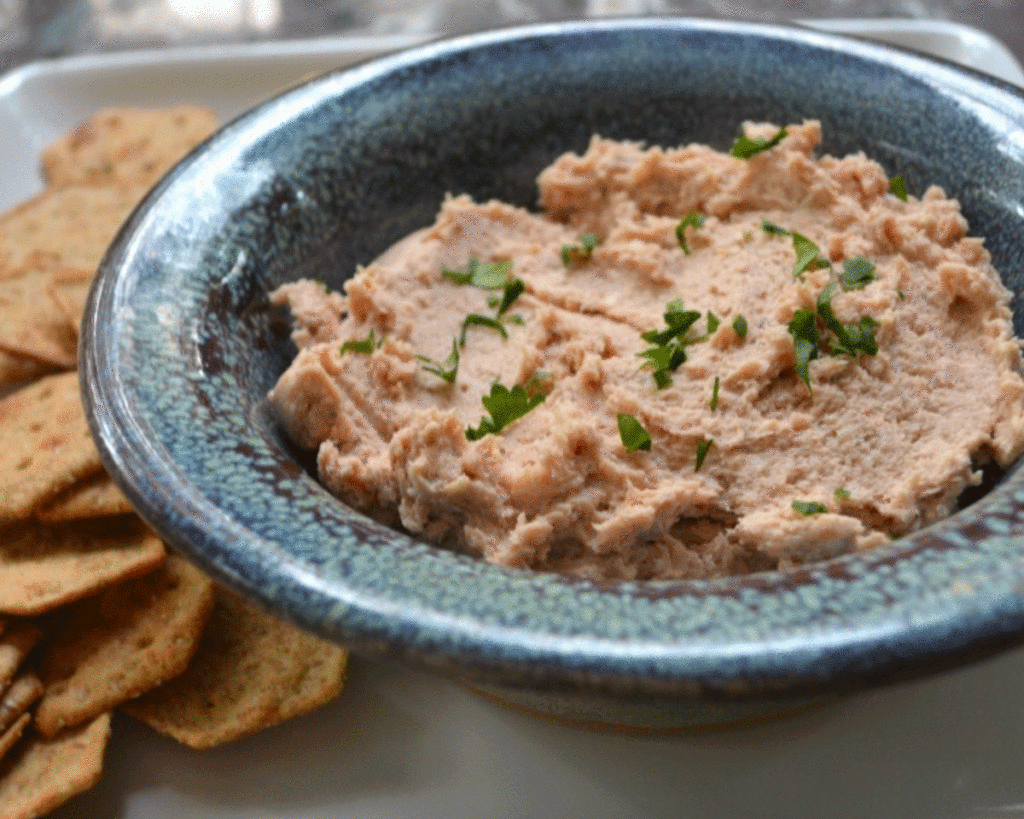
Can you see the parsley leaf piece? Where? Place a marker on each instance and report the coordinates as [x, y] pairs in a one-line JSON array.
[[803, 327], [665, 357], [505, 406], [857, 273], [842, 494], [773, 229], [745, 147], [475, 319], [366, 345], [678, 320], [485, 275], [581, 252], [808, 256], [445, 370], [632, 433], [739, 326], [900, 294], [898, 188], [692, 219], [702, 453], [808, 508], [714, 394], [713, 322], [849, 338], [513, 290]]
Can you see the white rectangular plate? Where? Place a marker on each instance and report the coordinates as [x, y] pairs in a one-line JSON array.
[[401, 744]]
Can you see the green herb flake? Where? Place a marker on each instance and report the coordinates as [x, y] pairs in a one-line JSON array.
[[580, 252], [842, 494], [504, 406], [714, 395], [746, 147], [702, 453], [445, 370], [808, 508], [803, 327], [713, 322], [857, 274], [898, 188], [366, 345], [808, 256], [692, 219], [900, 294], [485, 275], [849, 339], [513, 290], [632, 433], [773, 229], [739, 326], [476, 320]]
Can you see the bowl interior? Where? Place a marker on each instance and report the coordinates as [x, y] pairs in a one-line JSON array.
[[182, 346]]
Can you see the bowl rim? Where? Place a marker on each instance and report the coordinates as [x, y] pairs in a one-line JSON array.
[[807, 659]]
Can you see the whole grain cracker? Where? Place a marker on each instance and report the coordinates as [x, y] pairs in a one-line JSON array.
[[69, 226], [69, 290], [96, 496], [19, 696], [47, 444], [41, 774], [46, 566], [15, 645], [251, 671], [126, 144], [35, 324], [125, 641], [10, 735]]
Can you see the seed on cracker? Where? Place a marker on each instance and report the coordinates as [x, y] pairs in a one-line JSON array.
[[19, 696], [126, 144], [41, 774], [43, 567], [125, 641], [94, 497], [15, 645], [251, 671], [47, 444], [66, 227]]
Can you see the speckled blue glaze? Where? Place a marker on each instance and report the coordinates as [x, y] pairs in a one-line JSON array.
[[181, 346]]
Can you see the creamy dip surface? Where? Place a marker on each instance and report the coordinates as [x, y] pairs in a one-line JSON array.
[[857, 368]]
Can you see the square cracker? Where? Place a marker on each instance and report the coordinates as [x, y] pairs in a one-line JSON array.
[[42, 774], [126, 144], [43, 567], [124, 641], [96, 496], [19, 369], [69, 227], [251, 671], [47, 444], [35, 323]]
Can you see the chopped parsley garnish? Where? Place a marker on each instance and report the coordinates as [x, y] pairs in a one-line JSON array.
[[485, 275], [842, 494], [692, 219], [739, 326], [505, 406], [900, 294], [898, 188], [808, 255], [714, 395], [849, 338], [713, 322], [366, 345], [857, 273], [678, 321], [445, 370], [632, 433], [581, 252], [746, 147], [669, 350], [702, 453], [773, 229], [803, 327], [808, 508], [513, 290], [475, 319]]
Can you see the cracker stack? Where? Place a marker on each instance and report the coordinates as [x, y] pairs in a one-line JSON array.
[[95, 613]]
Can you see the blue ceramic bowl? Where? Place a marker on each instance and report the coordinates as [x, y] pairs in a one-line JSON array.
[[181, 347]]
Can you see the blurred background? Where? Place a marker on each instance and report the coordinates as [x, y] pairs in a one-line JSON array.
[[30, 29]]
